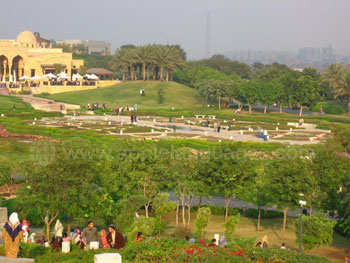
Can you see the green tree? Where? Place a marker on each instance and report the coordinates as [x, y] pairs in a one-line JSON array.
[[202, 220], [287, 182], [248, 92], [317, 231], [305, 92], [229, 173], [58, 68], [162, 205]]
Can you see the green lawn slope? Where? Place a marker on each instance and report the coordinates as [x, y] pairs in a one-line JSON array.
[[128, 93], [7, 103]]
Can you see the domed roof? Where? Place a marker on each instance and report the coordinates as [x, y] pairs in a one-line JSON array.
[[26, 38]]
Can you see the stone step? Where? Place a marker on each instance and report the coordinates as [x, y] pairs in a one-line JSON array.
[[16, 260]]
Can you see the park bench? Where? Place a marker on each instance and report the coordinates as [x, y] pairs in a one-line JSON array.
[[226, 127], [212, 117], [200, 116]]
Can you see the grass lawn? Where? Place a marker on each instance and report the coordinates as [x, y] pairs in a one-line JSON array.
[[7, 103], [124, 94]]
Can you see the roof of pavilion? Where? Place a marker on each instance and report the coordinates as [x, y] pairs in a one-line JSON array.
[[99, 71]]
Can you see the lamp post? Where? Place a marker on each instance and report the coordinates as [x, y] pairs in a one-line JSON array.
[[302, 203]]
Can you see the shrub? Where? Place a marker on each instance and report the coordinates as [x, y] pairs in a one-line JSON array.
[[202, 219], [231, 225], [330, 108], [317, 231]]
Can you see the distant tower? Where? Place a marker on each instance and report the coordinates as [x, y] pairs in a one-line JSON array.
[[207, 42]]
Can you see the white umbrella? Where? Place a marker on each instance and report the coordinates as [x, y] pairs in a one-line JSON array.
[[36, 78], [23, 78], [76, 76], [63, 75], [93, 77], [50, 76]]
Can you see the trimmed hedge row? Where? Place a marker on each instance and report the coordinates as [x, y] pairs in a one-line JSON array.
[[175, 251]]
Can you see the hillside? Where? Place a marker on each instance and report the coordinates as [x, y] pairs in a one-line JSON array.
[[128, 93]]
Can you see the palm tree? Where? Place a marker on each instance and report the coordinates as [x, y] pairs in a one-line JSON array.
[[120, 61], [339, 78], [175, 60], [144, 55]]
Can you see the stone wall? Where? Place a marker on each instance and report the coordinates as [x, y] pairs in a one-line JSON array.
[[16, 260], [3, 219]]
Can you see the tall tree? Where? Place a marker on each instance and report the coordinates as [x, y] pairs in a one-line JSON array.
[[228, 173], [287, 182]]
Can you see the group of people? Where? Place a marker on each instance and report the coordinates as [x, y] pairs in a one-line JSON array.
[[119, 110], [221, 243], [217, 126], [133, 118], [89, 238], [14, 232], [96, 105]]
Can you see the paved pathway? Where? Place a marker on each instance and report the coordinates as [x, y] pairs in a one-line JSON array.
[[219, 201], [47, 104], [182, 128]]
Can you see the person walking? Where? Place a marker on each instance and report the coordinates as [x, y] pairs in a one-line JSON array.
[[12, 235]]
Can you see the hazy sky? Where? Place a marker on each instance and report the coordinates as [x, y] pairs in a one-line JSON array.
[[235, 24]]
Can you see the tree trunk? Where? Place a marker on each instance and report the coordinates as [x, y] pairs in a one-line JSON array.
[[250, 108], [148, 72], [146, 210], [265, 109], [227, 204], [183, 212], [167, 75], [259, 217], [199, 202], [144, 71], [301, 111], [281, 107], [123, 74], [219, 102], [69, 227], [47, 230], [285, 211], [311, 208], [189, 214], [206, 99], [177, 212], [161, 73]]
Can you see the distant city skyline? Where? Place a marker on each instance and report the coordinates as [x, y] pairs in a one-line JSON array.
[[234, 24]]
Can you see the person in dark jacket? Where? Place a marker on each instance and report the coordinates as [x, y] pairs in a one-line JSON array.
[[114, 238]]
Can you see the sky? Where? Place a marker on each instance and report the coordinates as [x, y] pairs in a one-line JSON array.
[[234, 24]]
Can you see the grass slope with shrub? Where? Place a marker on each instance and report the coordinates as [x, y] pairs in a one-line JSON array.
[[16, 107], [128, 93]]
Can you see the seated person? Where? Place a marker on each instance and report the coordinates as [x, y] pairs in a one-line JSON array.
[[114, 238]]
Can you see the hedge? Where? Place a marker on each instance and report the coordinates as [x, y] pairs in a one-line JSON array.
[[175, 251]]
